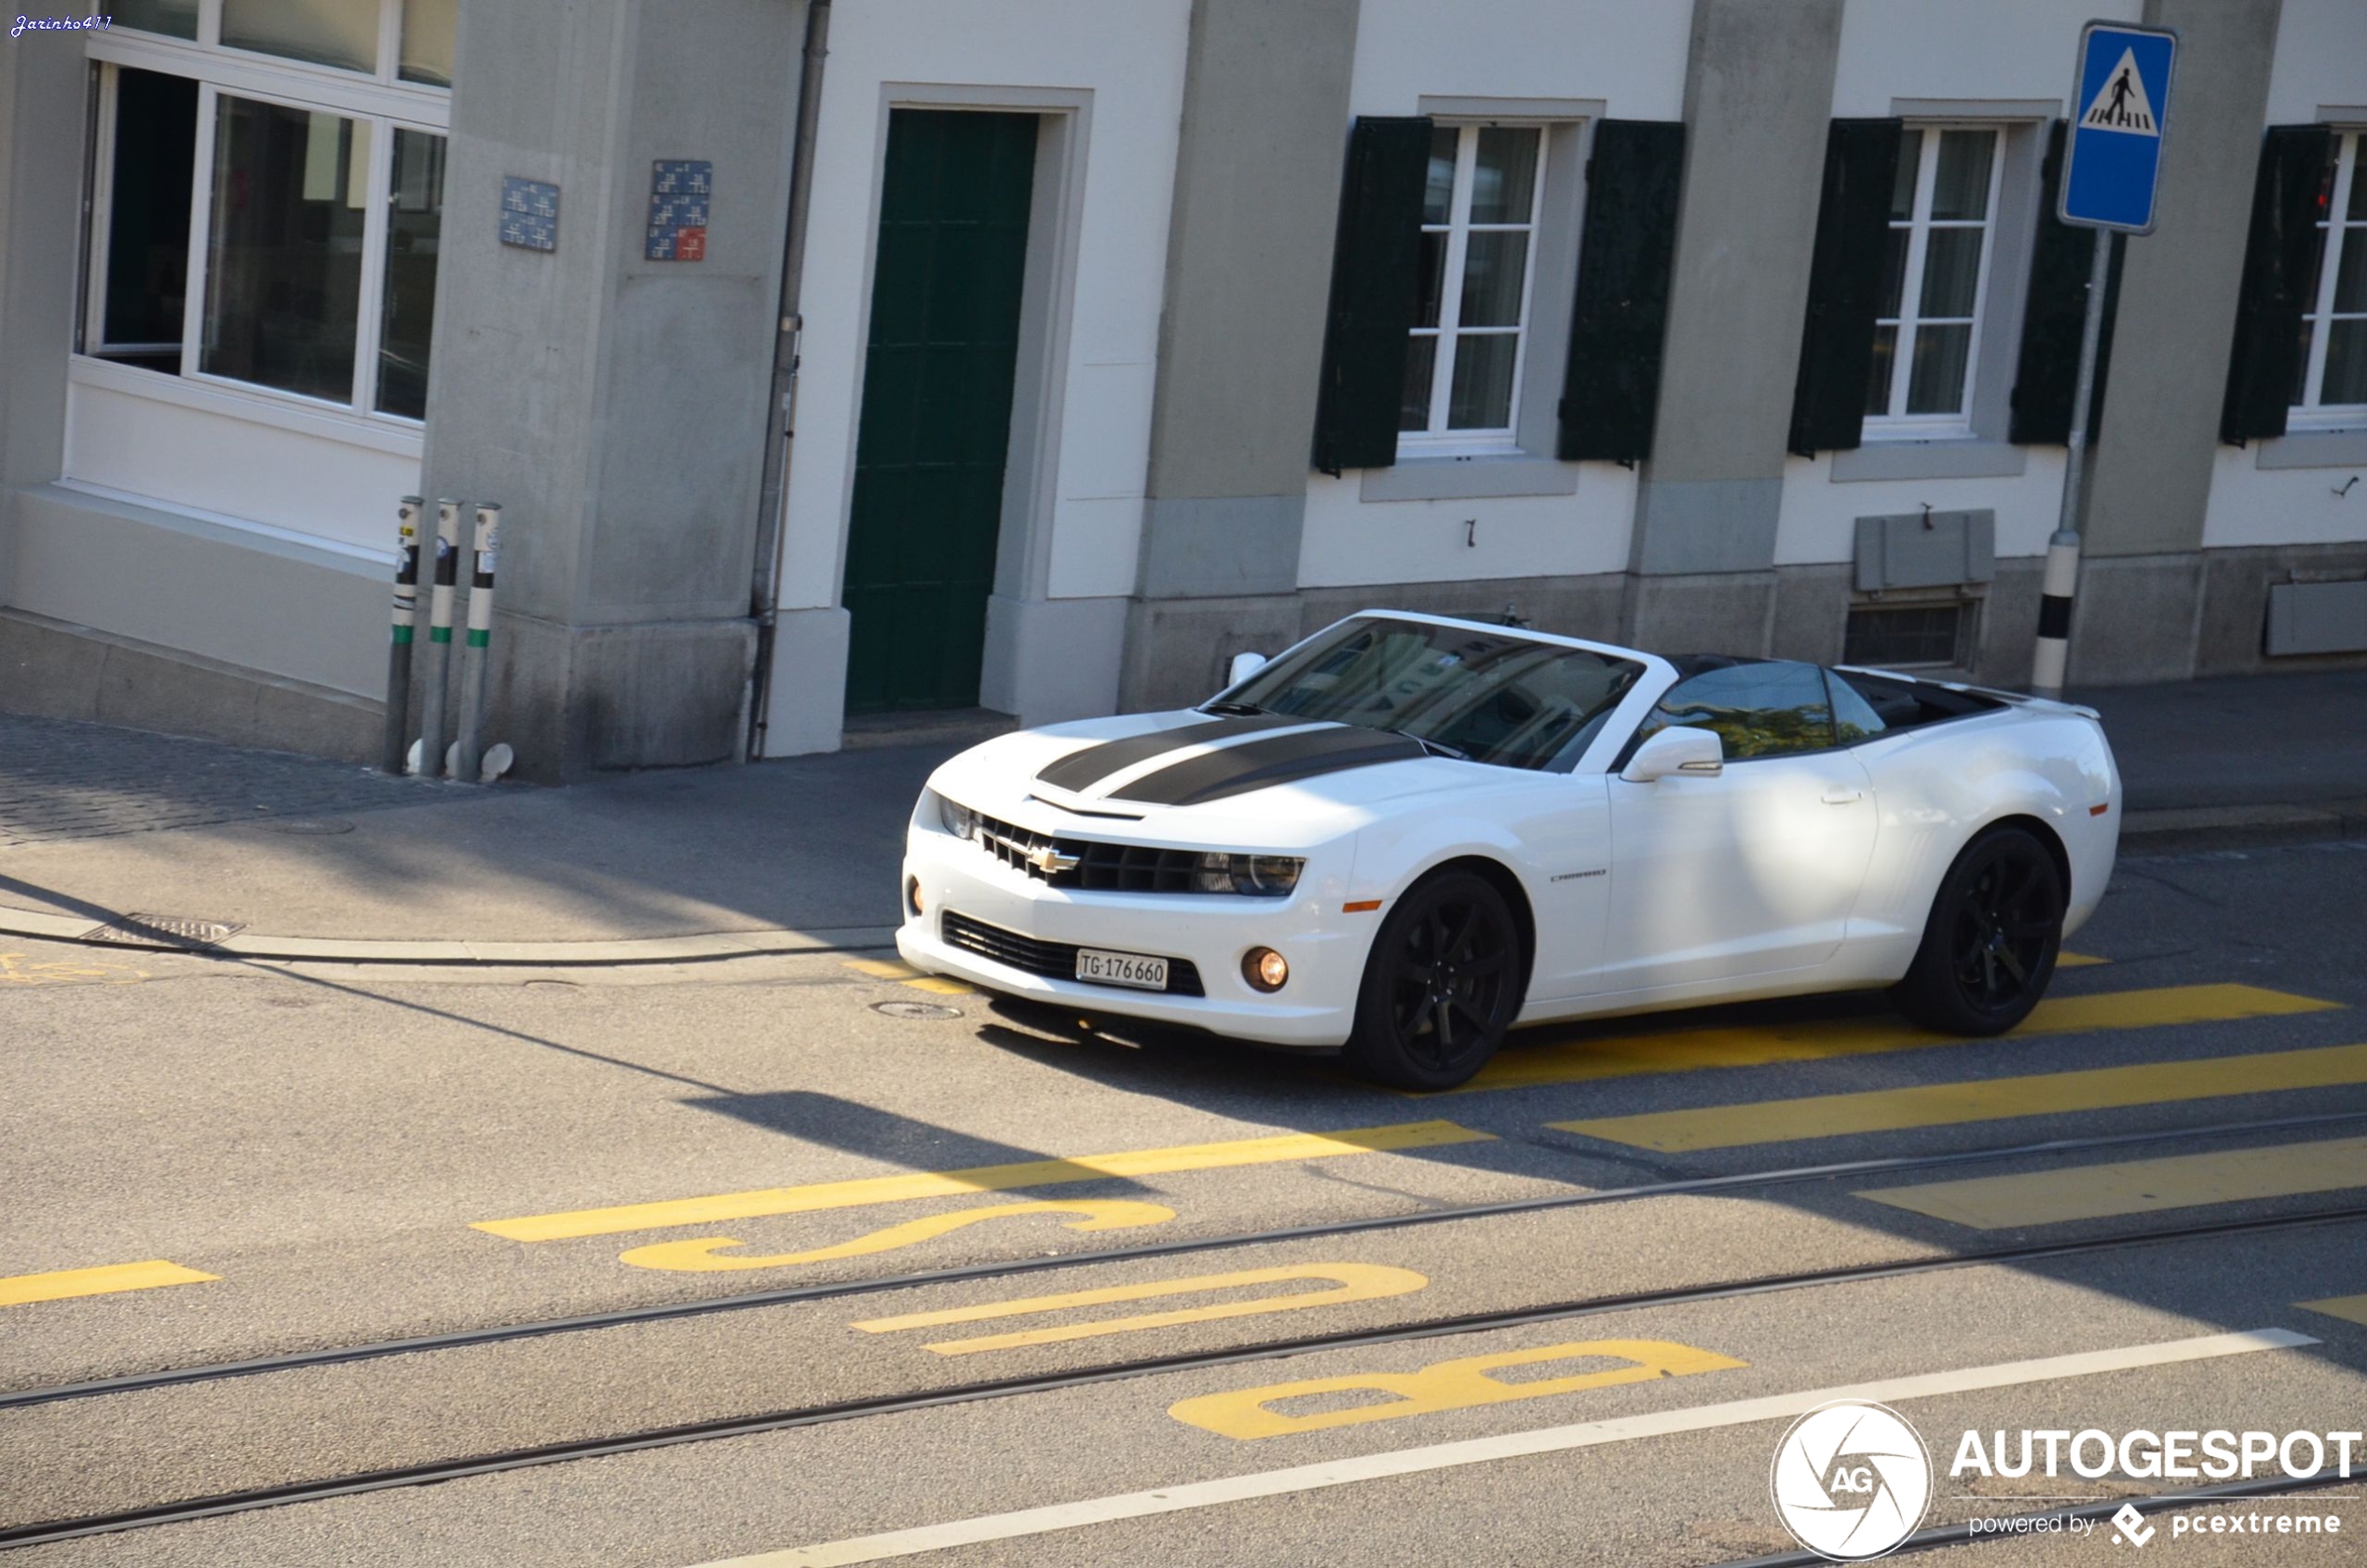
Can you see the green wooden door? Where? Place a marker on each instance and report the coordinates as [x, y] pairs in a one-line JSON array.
[[937, 406]]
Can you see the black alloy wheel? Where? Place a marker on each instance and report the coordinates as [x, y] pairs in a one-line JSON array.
[[1989, 947], [1442, 985]]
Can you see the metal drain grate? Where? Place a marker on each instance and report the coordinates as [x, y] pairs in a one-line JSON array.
[[163, 931]]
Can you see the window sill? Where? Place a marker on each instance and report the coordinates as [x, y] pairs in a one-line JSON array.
[[1957, 457], [2312, 449], [1456, 479], [379, 433]]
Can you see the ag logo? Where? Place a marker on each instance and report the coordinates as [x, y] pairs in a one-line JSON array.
[[1851, 1480]]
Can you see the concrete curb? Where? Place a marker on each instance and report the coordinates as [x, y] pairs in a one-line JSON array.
[[706, 948], [2142, 832], [2216, 827]]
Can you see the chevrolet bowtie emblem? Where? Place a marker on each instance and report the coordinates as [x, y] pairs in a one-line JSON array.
[[1049, 860]]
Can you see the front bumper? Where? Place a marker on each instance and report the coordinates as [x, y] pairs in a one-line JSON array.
[[1315, 1008]]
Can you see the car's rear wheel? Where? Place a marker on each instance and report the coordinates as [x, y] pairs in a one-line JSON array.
[[1442, 985], [1990, 943]]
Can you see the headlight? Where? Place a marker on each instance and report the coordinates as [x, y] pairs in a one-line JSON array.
[[956, 819], [1261, 876]]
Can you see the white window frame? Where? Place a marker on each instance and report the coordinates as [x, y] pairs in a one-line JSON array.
[[1439, 441], [378, 100], [1896, 423], [2339, 231]]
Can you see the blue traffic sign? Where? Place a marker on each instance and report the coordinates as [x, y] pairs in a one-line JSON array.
[[2112, 160]]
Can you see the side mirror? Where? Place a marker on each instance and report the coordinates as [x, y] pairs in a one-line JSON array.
[[1244, 665], [1679, 749]]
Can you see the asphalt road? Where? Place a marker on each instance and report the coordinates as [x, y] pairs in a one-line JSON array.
[[1010, 1290]]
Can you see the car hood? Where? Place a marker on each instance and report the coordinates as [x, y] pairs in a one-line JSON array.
[[1195, 778]]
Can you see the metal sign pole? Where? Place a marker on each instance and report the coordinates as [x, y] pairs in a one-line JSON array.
[[2109, 182], [2062, 551]]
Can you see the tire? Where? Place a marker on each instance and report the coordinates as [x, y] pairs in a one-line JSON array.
[[1990, 946], [1421, 1024]]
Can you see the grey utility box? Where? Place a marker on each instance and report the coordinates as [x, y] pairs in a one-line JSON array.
[[1926, 550], [2317, 618]]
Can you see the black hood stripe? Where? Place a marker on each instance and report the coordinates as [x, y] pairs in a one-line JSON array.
[[1080, 770], [1262, 764]]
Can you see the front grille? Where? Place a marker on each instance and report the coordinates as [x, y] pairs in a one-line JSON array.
[[1053, 960], [1100, 867]]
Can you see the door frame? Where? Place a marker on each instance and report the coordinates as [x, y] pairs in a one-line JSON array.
[[1047, 300]]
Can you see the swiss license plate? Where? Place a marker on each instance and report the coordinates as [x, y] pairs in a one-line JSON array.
[[1121, 969]]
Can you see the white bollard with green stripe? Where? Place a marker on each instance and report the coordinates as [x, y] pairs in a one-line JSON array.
[[407, 619], [475, 653], [439, 659]]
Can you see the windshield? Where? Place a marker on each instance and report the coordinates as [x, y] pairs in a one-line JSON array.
[[1490, 696]]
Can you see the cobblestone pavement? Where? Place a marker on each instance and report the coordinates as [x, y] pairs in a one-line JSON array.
[[62, 780]]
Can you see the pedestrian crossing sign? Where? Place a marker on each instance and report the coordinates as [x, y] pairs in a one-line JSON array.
[[2112, 159]]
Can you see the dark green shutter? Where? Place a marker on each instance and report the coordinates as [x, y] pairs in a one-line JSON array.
[[1853, 231], [2279, 271], [1610, 386], [1373, 281], [2053, 312]]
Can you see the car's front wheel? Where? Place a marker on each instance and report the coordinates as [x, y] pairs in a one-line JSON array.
[[1442, 985], [1989, 947]]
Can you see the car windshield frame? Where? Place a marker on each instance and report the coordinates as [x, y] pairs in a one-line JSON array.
[[1475, 693]]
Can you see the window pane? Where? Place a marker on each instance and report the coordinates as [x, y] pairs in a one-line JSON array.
[[1878, 383], [2357, 205], [156, 137], [427, 41], [324, 31], [1894, 287], [2301, 362], [1430, 279], [175, 18], [1421, 363], [415, 222], [1438, 193], [1482, 396], [1936, 383], [284, 265], [1959, 188], [1495, 265], [1504, 176], [1911, 163], [1764, 708], [2350, 272], [1951, 271], [2345, 364]]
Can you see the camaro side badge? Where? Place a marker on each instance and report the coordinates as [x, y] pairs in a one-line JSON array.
[[1574, 875]]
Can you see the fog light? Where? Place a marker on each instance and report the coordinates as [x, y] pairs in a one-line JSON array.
[[1266, 969], [913, 896]]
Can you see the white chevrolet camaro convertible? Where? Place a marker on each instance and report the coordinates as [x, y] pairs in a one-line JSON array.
[[1408, 834]]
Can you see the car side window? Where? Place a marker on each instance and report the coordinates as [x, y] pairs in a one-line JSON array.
[[1855, 718], [1766, 708]]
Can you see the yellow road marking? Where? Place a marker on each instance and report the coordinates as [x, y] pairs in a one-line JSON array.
[[1277, 1149], [2077, 961], [18, 969], [904, 973], [2048, 1197], [1354, 1282], [1446, 1386], [1935, 1105], [698, 1255], [64, 1283], [2351, 1309], [1758, 1046]]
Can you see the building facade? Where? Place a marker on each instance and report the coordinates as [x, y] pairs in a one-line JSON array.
[[1130, 337]]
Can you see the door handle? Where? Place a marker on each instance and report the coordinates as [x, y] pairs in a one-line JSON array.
[[1843, 796]]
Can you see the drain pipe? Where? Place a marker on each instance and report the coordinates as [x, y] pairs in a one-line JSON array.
[[780, 424]]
